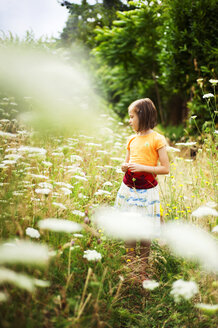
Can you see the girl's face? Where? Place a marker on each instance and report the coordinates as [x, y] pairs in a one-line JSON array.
[[133, 119]]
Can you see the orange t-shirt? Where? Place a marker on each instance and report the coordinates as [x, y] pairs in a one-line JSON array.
[[144, 149]]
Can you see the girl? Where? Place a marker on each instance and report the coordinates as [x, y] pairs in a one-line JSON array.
[[139, 189]]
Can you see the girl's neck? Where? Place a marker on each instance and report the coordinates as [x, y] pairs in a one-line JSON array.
[[144, 133]]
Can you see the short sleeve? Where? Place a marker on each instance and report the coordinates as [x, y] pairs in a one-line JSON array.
[[160, 141], [129, 142]]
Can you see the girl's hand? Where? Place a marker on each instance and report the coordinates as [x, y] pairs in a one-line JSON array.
[[136, 167], [124, 167]]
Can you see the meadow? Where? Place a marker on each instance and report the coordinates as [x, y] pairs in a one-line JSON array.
[[61, 274]]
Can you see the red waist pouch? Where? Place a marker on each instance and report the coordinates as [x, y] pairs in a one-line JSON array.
[[139, 180]]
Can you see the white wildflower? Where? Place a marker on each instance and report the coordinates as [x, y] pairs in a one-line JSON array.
[[211, 204], [204, 211], [13, 156], [32, 150], [66, 191], [77, 235], [189, 241], [215, 229], [33, 233], [3, 297], [46, 163], [193, 117], [38, 176], [63, 184], [59, 225], [183, 290], [150, 284], [25, 252], [117, 159], [18, 279], [58, 154], [101, 192], [92, 144], [126, 225], [208, 95], [78, 177], [92, 255], [78, 213], [191, 143], [7, 134], [9, 162], [41, 283], [213, 82], [43, 191], [107, 183], [60, 205], [45, 185], [76, 158], [207, 308]]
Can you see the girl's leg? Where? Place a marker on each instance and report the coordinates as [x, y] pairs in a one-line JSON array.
[[130, 250], [144, 255], [145, 250]]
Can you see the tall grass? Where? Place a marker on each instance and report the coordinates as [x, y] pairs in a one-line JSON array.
[[67, 176]]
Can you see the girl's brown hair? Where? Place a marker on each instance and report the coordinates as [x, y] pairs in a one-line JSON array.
[[147, 113]]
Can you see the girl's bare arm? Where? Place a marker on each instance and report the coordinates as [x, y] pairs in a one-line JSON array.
[[124, 166]]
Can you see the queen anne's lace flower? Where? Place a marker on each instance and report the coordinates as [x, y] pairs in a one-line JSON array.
[[33, 233], [92, 255], [183, 290], [204, 211], [150, 284]]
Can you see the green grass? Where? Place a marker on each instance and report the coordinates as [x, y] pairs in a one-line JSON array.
[[87, 294]]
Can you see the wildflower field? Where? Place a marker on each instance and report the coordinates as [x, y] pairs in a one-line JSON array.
[[59, 269]]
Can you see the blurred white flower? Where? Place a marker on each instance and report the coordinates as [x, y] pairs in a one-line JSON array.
[[18, 279], [183, 290], [8, 134], [41, 283], [32, 150], [126, 225], [213, 82], [150, 284], [60, 205], [92, 144], [107, 183], [78, 235], [63, 184], [189, 241], [45, 185], [38, 176], [3, 297], [211, 204], [172, 149], [208, 308], [43, 191], [208, 95], [59, 225], [191, 143], [66, 191], [215, 229], [204, 211], [78, 213], [48, 164], [193, 117], [9, 162], [33, 233], [92, 255], [78, 177], [25, 252], [102, 192], [76, 158]]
